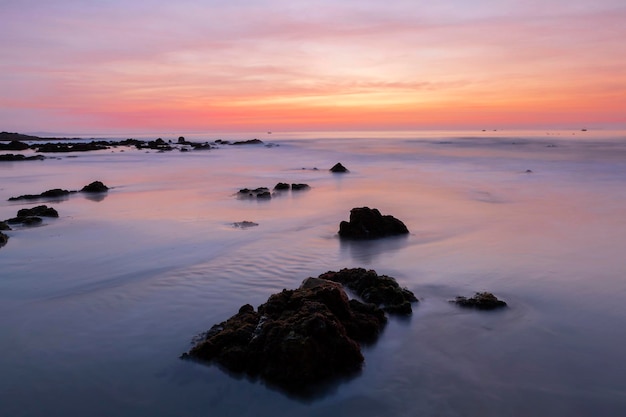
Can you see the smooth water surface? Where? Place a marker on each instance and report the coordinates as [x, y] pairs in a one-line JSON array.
[[97, 305]]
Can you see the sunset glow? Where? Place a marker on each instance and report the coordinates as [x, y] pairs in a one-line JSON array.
[[113, 66]]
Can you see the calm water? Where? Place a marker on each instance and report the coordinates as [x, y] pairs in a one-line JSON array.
[[97, 305]]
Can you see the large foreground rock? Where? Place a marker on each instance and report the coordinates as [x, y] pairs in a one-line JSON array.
[[297, 339], [367, 223]]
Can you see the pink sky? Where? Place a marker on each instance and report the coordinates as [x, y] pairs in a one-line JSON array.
[[147, 66]]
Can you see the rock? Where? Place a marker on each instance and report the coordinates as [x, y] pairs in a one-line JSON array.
[[261, 192], [481, 301], [71, 147], [41, 211], [338, 168], [54, 193], [296, 340], [95, 187], [26, 221], [281, 186], [245, 224], [380, 290], [19, 157], [14, 145], [4, 226], [247, 142], [3, 239], [299, 187], [366, 223]]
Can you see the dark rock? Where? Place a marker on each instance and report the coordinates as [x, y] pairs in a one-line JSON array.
[[380, 290], [41, 211], [297, 339], [366, 223], [54, 193], [95, 187], [481, 301], [4, 226], [19, 157], [26, 221], [245, 224], [338, 168], [14, 145], [3, 239], [281, 186], [261, 192], [71, 147], [247, 142], [299, 187]]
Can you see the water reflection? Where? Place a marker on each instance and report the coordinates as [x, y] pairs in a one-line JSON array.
[[366, 251]]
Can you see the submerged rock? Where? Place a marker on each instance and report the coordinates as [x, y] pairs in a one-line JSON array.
[[245, 224], [95, 187], [298, 338], [338, 168], [247, 142], [299, 187], [481, 301], [366, 223], [261, 192]]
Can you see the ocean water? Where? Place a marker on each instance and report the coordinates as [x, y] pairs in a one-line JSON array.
[[97, 305]]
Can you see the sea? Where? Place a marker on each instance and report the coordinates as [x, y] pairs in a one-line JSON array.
[[97, 305]]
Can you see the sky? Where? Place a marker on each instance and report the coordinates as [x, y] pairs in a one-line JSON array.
[[113, 66]]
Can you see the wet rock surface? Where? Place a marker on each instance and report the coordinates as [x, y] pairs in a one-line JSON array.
[[298, 338], [480, 301], [95, 187], [367, 223], [54, 193]]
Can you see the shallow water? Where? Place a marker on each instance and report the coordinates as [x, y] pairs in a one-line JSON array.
[[96, 306]]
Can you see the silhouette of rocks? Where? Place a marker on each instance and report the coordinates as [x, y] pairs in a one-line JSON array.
[[95, 187], [380, 290], [19, 157], [366, 223], [261, 192], [41, 211], [338, 168], [299, 187], [14, 145], [54, 193], [298, 338], [481, 301], [247, 142], [3, 239], [71, 147], [245, 224], [281, 186], [4, 226]]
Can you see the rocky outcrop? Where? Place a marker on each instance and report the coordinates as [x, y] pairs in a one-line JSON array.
[[14, 145], [281, 186], [95, 187], [338, 168], [480, 301], [54, 193], [247, 142], [299, 187], [19, 157], [71, 147], [380, 290], [41, 211], [298, 338], [367, 223], [3, 239]]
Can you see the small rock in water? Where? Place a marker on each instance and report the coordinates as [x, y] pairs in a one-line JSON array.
[[299, 187], [42, 211], [95, 187], [366, 223], [481, 301], [281, 186], [338, 168], [245, 224]]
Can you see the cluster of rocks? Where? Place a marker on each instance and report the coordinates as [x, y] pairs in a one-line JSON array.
[[19, 157], [264, 192], [299, 338], [56, 193], [32, 216]]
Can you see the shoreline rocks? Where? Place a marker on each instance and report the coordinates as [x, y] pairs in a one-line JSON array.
[[339, 168], [3, 239], [10, 157], [95, 187], [296, 340], [57, 193], [366, 223]]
